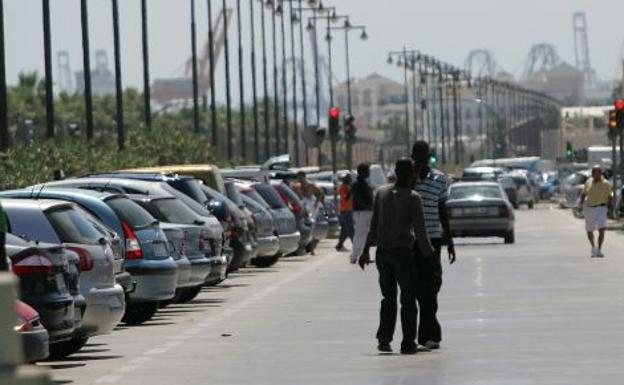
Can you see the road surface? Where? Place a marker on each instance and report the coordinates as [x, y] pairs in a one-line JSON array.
[[537, 312]]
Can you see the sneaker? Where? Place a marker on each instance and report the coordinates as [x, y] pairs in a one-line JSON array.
[[599, 254], [342, 249], [432, 345], [384, 347], [593, 252]]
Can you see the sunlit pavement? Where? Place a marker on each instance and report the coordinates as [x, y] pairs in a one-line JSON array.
[[537, 312]]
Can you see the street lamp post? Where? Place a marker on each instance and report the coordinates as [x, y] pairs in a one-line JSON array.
[[146, 74], [228, 94], [211, 61], [276, 107], [348, 27], [118, 85], [254, 85], [241, 86], [86, 68], [280, 12], [194, 69], [294, 20], [267, 134], [49, 81], [4, 115]]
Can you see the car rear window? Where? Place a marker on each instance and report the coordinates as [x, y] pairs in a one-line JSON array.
[[174, 211], [269, 194], [465, 192], [31, 225], [197, 207], [252, 205], [73, 226], [253, 194], [131, 213], [233, 194], [520, 181], [190, 187], [290, 194]]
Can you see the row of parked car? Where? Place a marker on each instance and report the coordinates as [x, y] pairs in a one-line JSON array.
[[93, 251]]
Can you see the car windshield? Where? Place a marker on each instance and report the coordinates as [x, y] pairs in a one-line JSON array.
[[269, 194], [475, 191], [174, 211], [131, 213], [73, 226]]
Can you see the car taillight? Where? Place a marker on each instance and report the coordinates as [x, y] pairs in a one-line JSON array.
[[133, 247], [503, 211], [33, 264], [236, 231], [22, 325], [86, 260]]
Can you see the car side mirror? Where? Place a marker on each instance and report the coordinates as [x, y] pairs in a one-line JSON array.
[[219, 209]]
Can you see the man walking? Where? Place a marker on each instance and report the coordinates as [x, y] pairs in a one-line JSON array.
[[345, 192], [596, 199], [432, 185], [362, 210], [397, 224]]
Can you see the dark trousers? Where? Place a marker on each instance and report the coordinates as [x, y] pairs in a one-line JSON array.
[[397, 268], [346, 227], [429, 282]]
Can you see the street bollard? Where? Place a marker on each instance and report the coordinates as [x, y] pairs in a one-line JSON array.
[[12, 368]]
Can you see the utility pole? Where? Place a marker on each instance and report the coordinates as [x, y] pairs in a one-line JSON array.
[[241, 86], [4, 116], [49, 81], [254, 83], [213, 102], [194, 69], [146, 70], [86, 68], [118, 86]]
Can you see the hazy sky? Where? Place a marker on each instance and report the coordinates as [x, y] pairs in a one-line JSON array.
[[447, 29]]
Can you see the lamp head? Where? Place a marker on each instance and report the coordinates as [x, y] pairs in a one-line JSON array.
[[364, 35]]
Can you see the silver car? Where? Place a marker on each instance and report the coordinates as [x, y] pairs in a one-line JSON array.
[[480, 209], [65, 223]]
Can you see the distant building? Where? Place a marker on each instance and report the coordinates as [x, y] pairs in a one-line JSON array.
[[564, 82], [102, 79]]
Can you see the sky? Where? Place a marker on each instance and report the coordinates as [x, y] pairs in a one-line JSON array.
[[446, 29]]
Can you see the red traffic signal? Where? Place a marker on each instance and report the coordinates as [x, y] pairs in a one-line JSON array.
[[619, 105], [334, 113]]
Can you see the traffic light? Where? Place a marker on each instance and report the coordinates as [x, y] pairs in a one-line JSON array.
[[619, 113], [334, 123], [613, 124], [350, 129], [569, 151]]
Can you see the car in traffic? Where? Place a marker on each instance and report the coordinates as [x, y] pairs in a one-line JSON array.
[[511, 189], [480, 209]]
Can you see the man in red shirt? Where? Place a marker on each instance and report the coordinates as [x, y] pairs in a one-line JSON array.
[[346, 213]]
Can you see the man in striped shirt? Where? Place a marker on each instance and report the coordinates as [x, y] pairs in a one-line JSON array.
[[432, 185]]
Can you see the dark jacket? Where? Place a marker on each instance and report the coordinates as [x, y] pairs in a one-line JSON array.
[[362, 195]]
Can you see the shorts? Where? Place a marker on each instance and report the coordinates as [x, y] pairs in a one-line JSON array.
[[595, 218]]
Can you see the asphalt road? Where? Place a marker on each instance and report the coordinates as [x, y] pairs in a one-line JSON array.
[[537, 312]]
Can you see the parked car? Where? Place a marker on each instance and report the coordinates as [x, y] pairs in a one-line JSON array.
[[240, 237], [42, 272], [330, 209], [65, 223], [480, 209], [305, 222], [209, 174], [573, 186], [266, 233], [196, 244], [284, 219], [217, 236], [35, 338]]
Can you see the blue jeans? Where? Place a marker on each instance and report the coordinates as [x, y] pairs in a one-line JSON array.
[[346, 227]]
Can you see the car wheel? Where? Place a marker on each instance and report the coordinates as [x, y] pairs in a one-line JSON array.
[[140, 312], [510, 237], [66, 348], [515, 205], [265, 262], [531, 205]]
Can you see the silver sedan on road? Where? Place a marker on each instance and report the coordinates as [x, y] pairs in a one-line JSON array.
[[480, 209]]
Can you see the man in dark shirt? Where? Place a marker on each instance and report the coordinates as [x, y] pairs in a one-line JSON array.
[[397, 225], [362, 210]]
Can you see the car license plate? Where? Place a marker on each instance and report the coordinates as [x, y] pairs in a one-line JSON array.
[[475, 210], [160, 249]]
